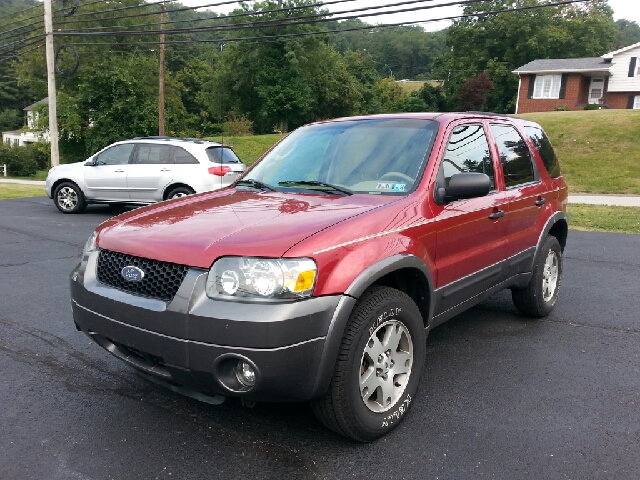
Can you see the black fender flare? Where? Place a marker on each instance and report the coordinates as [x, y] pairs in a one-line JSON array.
[[553, 219], [347, 303]]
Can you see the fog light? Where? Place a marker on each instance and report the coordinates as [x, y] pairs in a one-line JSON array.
[[245, 374]]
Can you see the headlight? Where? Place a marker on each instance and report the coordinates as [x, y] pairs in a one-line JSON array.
[[247, 278], [90, 246]]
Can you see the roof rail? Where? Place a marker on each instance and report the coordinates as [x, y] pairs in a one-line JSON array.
[[489, 114], [157, 137]]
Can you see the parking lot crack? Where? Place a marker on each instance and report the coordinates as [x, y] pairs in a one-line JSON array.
[[39, 237], [596, 327], [35, 262]]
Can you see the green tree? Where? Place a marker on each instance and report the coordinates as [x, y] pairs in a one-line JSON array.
[[498, 44], [401, 52], [281, 83], [627, 33]]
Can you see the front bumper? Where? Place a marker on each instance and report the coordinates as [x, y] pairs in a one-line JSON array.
[[194, 341]]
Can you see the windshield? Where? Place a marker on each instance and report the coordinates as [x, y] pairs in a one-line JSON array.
[[376, 156]]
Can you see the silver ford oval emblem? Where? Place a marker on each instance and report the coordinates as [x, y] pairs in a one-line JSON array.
[[132, 274]]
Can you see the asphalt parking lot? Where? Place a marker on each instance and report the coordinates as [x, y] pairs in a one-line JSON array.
[[501, 397]]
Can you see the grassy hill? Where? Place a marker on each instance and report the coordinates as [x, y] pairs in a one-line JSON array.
[[599, 150]]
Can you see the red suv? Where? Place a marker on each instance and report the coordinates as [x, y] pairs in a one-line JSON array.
[[319, 273]]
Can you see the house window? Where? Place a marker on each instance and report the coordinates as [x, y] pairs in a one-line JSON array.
[[547, 86], [636, 104]]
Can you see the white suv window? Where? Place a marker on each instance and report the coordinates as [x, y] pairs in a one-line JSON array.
[[149, 153], [118, 155]]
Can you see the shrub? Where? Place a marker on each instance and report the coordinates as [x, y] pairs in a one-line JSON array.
[[20, 161], [561, 108], [41, 152], [591, 106], [238, 127], [474, 93]]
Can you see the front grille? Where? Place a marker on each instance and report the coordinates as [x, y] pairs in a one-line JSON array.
[[161, 279]]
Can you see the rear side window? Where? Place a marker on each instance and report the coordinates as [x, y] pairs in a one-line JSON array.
[[542, 143], [515, 156], [468, 151], [181, 156], [222, 155]]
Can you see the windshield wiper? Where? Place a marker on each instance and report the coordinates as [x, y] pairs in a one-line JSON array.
[[249, 182], [323, 186]]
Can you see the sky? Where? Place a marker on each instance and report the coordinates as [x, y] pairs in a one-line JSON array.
[[627, 9]]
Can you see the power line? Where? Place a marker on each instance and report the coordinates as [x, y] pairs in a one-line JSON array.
[[128, 7], [325, 32], [368, 27], [224, 17], [280, 22], [182, 9]]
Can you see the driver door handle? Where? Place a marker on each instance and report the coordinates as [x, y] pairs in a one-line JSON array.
[[165, 169], [119, 171], [497, 215], [541, 201]]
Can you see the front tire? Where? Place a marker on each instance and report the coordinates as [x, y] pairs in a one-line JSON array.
[[68, 198], [378, 367], [539, 297]]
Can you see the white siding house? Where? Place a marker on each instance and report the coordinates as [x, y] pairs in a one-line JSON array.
[[28, 135], [625, 70]]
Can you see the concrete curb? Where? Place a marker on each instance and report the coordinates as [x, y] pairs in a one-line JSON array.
[[613, 200], [23, 182]]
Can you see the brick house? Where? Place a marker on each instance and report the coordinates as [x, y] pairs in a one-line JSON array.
[[611, 81]]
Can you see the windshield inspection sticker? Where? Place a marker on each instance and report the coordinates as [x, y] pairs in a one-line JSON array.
[[392, 187]]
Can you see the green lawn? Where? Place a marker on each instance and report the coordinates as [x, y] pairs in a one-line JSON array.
[[599, 150], [249, 148], [14, 190], [598, 218]]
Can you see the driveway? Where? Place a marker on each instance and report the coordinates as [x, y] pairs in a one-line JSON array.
[[502, 397]]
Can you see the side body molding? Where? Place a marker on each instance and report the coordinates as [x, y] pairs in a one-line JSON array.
[[348, 302]]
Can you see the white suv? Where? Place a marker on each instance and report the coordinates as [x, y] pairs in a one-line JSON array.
[[143, 170]]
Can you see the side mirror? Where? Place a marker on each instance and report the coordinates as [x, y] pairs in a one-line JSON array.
[[464, 185], [90, 163]]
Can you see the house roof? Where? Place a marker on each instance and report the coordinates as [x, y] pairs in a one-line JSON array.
[[44, 101], [588, 64], [622, 50]]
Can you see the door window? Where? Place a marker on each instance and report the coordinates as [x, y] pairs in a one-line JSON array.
[[118, 155], [467, 151], [515, 156], [154, 154]]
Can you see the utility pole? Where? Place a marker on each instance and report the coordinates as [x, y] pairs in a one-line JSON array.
[[161, 86], [51, 83]]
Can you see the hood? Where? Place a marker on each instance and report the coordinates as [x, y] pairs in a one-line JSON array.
[[196, 230], [67, 167]]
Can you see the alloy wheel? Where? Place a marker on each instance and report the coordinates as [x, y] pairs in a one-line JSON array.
[[386, 366], [550, 276], [67, 198]]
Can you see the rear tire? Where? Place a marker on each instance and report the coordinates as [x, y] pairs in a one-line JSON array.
[[378, 369], [68, 198], [539, 297], [179, 192]]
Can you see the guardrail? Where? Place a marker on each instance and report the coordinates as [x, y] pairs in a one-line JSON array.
[[4, 170]]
